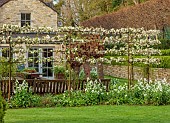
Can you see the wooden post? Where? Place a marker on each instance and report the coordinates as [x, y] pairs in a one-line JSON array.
[[69, 84], [10, 70], [129, 78]]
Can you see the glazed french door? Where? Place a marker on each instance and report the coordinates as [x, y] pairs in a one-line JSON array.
[[39, 61]]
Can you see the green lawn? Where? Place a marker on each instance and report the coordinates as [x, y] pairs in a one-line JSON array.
[[91, 114], [121, 80]]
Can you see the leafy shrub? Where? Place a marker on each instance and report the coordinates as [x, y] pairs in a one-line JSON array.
[[165, 43], [118, 92], [93, 73], [22, 96], [165, 52], [95, 92], [4, 68], [164, 62], [75, 98], [82, 75], [142, 93], [2, 108], [59, 69], [47, 101], [153, 93], [156, 93]]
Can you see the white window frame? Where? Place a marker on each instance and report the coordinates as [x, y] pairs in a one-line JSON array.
[[25, 20], [41, 64]]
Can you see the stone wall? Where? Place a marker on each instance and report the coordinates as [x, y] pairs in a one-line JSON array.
[[41, 15], [122, 72]]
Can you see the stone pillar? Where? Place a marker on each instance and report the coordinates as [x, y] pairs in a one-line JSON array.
[[100, 70], [87, 69]]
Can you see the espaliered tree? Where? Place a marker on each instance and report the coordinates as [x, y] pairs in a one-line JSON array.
[[82, 45], [137, 45], [92, 48]]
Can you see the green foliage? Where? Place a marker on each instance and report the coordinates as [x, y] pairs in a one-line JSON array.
[[82, 74], [3, 107], [5, 67], [116, 3], [59, 5], [29, 69], [155, 93], [164, 62], [165, 44], [95, 93], [47, 101], [76, 98], [165, 52], [142, 93], [93, 73], [91, 114], [59, 69], [22, 95]]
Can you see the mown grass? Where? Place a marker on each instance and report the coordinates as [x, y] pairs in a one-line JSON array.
[[121, 80], [90, 114]]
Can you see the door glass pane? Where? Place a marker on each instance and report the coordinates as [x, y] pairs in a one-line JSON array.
[[44, 72], [50, 64], [47, 65], [45, 53], [50, 73], [33, 55]]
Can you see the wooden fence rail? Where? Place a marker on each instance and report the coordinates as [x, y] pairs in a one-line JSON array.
[[48, 86]]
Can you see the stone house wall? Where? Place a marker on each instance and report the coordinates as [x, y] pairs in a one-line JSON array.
[[41, 15], [122, 72]]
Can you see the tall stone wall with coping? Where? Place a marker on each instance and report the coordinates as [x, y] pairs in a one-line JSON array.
[[122, 72]]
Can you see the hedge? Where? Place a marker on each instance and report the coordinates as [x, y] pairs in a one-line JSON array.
[[165, 62], [2, 108]]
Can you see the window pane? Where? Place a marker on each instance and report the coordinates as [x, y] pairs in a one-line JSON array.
[[25, 19], [37, 69], [45, 72], [28, 23], [30, 64], [22, 16], [45, 64], [30, 55], [50, 73], [50, 53], [45, 53], [22, 23], [28, 16], [49, 64], [5, 52]]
